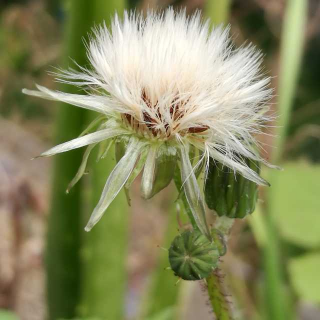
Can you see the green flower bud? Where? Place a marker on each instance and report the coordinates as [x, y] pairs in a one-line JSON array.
[[193, 256], [230, 194]]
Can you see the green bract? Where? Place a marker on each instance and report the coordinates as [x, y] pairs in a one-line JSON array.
[[193, 256], [159, 169], [231, 194]]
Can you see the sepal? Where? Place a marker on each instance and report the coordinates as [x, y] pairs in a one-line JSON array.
[[158, 170]]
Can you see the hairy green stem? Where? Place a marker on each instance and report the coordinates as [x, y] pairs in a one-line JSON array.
[[64, 229], [217, 295], [218, 298]]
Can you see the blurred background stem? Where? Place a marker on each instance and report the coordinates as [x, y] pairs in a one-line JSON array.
[[64, 228], [292, 45], [278, 304], [218, 11], [105, 247], [66, 271]]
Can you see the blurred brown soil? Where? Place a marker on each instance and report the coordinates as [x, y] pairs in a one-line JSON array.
[[23, 204]]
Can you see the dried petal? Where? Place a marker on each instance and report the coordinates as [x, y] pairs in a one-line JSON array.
[[116, 180], [84, 141], [192, 192], [82, 167]]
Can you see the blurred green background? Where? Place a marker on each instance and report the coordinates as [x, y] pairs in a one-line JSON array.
[[50, 268]]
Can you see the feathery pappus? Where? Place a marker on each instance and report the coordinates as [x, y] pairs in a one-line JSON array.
[[166, 87]]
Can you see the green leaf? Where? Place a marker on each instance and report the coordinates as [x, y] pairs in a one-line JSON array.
[[166, 314], [7, 315], [304, 273], [295, 203]]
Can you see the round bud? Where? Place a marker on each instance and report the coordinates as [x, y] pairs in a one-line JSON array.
[[193, 256]]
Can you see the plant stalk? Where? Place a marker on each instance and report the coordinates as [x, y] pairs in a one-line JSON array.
[[218, 298], [105, 246], [64, 229], [217, 294]]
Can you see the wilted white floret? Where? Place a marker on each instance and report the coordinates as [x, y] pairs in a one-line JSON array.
[[165, 80]]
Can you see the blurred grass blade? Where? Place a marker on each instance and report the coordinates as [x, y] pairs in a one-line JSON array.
[[105, 246], [290, 61], [276, 297], [218, 11], [64, 230], [279, 306]]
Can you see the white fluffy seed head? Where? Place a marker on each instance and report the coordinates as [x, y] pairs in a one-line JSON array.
[[167, 75], [166, 80]]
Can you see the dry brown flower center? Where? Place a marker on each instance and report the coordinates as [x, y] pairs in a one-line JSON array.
[[150, 123]]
